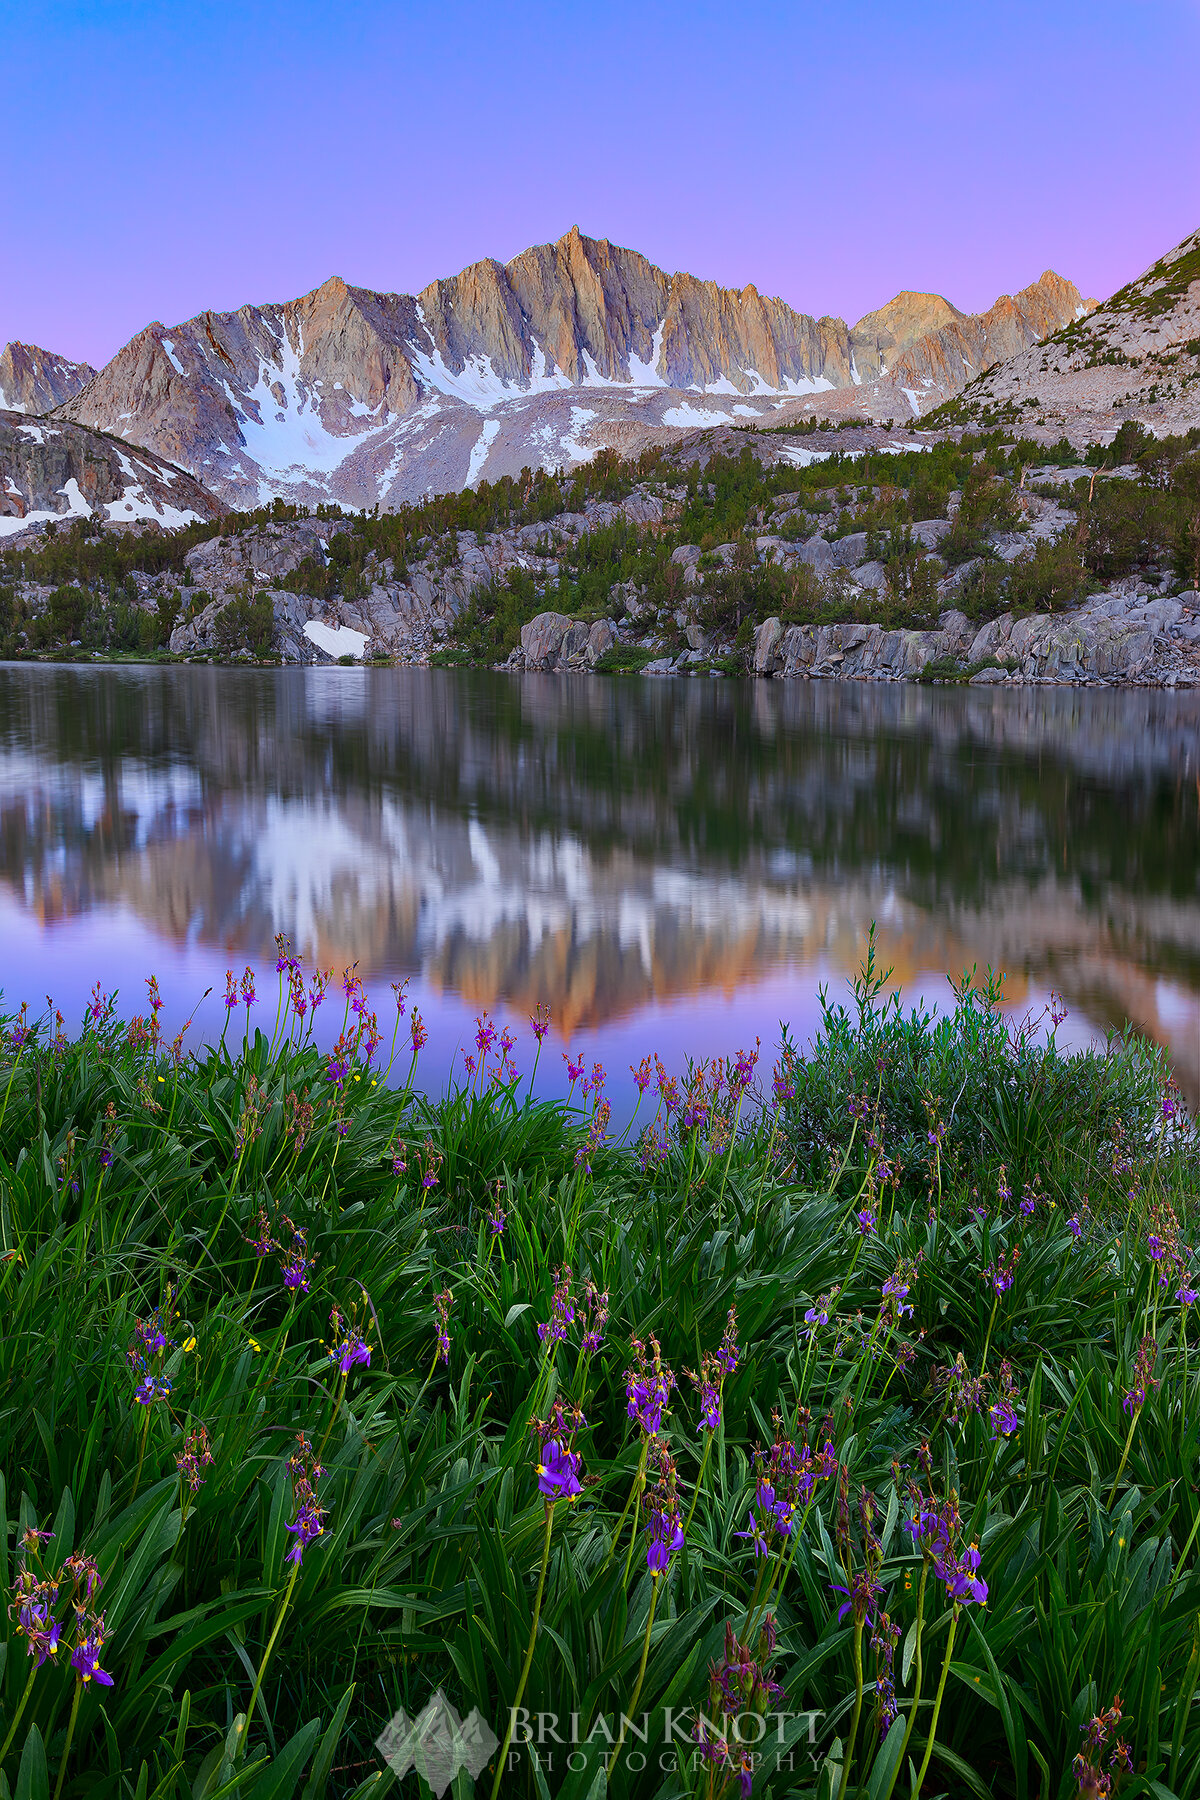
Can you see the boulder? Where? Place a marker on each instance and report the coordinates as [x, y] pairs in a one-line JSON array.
[[1163, 613], [916, 649], [575, 640], [797, 649], [848, 552], [766, 645], [930, 532], [957, 633], [662, 665], [815, 552], [988, 677], [626, 598], [871, 575], [989, 639], [541, 639], [601, 637]]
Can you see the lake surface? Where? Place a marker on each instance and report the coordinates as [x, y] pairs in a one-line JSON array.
[[671, 866]]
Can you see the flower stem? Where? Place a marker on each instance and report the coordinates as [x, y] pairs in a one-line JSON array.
[[635, 1488], [708, 1442], [641, 1675], [16, 1720], [987, 1340], [338, 1397], [533, 1631], [62, 1767], [1137, 1413], [141, 1454], [858, 1700], [262, 1667], [916, 1693], [937, 1703]]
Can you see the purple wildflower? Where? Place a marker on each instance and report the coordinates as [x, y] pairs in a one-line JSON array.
[[595, 1318], [296, 1264], [306, 1473], [348, 1347], [648, 1387], [558, 1472], [85, 1658], [442, 1303], [194, 1456], [1143, 1383], [562, 1310], [1004, 1419], [152, 1388], [754, 1533]]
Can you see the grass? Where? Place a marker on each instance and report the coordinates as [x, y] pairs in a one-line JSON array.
[[931, 1285]]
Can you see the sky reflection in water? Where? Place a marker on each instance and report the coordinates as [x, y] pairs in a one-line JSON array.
[[673, 867]]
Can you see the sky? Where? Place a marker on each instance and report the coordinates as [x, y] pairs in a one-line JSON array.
[[161, 157]]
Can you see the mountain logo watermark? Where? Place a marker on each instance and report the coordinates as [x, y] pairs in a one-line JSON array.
[[437, 1743]]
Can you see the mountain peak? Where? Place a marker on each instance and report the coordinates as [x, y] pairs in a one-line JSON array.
[[33, 380], [1134, 356], [368, 398]]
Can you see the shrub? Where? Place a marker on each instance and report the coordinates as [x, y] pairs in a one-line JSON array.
[[624, 659], [1048, 577], [246, 623], [987, 506]]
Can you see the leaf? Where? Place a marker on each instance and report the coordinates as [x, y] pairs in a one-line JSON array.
[[318, 1775], [909, 1651], [33, 1783], [278, 1780], [887, 1760], [588, 1782]]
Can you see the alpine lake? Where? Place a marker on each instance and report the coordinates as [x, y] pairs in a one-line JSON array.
[[673, 867]]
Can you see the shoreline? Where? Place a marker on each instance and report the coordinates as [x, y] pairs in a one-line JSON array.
[[1168, 681]]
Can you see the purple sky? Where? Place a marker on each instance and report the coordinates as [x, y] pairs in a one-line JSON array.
[[162, 156]]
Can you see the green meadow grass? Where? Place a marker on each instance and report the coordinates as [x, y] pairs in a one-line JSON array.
[[955, 1261]]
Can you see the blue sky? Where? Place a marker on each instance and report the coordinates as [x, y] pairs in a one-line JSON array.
[[162, 158]]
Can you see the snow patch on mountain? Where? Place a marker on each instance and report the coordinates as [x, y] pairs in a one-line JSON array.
[[480, 450], [77, 508], [646, 374], [337, 640], [288, 439], [688, 417], [575, 449]]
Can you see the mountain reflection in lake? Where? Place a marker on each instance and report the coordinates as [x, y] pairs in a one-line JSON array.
[[672, 866]]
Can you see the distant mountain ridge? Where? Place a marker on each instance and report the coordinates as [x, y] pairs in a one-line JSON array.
[[370, 398], [1136, 356], [36, 381]]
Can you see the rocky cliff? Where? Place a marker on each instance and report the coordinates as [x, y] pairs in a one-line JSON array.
[[368, 398], [36, 381], [1135, 357], [51, 472]]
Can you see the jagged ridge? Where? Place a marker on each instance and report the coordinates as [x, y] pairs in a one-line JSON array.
[[369, 398], [1137, 356]]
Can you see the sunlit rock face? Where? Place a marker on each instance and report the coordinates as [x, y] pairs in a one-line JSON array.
[[33, 380], [376, 399], [52, 473], [1136, 356]]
